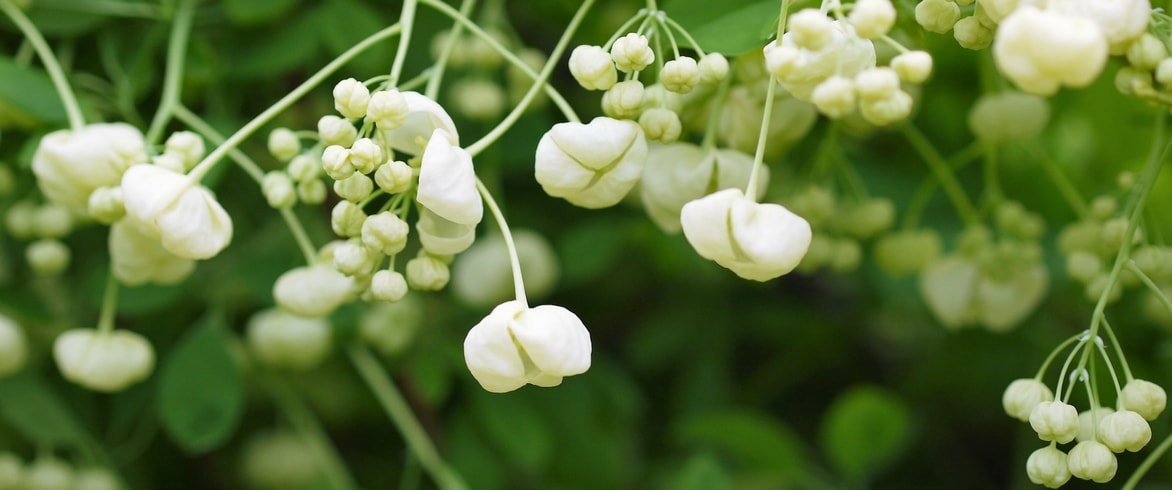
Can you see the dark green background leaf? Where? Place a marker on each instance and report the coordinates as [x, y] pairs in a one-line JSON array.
[[201, 393], [865, 429], [27, 97]]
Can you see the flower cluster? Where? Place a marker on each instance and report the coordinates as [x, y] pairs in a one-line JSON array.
[[50, 472], [839, 227]]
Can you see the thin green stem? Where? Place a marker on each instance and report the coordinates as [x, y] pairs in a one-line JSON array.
[[1151, 285], [1065, 187], [407, 20], [1054, 354], [992, 181], [687, 36], [109, 304], [514, 261], [540, 82], [924, 192], [1066, 365], [1110, 368], [433, 84], [625, 28], [49, 60], [943, 173], [173, 75], [718, 101], [762, 139], [312, 433], [204, 166], [104, 7], [1147, 464], [400, 414]]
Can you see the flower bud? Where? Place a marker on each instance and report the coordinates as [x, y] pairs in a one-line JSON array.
[[336, 162], [908, 252], [387, 109], [447, 182], [187, 217], [394, 177], [834, 97], [591, 165], [313, 291], [937, 15], [876, 83], [53, 221], [1042, 50], [1022, 396], [593, 68], [279, 460], [1091, 460], [346, 219], [660, 125], [1144, 397], [631, 53], [882, 112], [278, 190], [47, 257], [757, 241], [312, 192], [680, 75], [1008, 116], [678, 173], [1088, 421], [351, 98], [13, 350], [137, 257], [333, 130], [1147, 52], [353, 259], [21, 220], [713, 68], [970, 33], [281, 340], [106, 205], [304, 168], [515, 345], [387, 285], [69, 165], [427, 273], [811, 29], [624, 100], [390, 327], [188, 145], [1164, 71], [385, 233], [1124, 430], [478, 98], [48, 473], [872, 18], [365, 155], [284, 144], [354, 188], [1055, 421], [170, 161], [1047, 466], [103, 361]]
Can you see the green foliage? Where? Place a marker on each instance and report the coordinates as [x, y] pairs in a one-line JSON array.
[[865, 429], [731, 28], [32, 407], [27, 98], [201, 393]]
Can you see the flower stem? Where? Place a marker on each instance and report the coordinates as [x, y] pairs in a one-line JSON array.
[[762, 137], [407, 20], [173, 77], [1065, 187], [514, 261], [944, 174], [109, 304], [400, 414], [49, 60], [433, 84]]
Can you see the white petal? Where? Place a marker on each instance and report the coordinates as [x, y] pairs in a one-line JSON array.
[[705, 224], [491, 354], [442, 237], [196, 226], [447, 182], [313, 291], [69, 165], [948, 286], [771, 238], [424, 116], [147, 190], [591, 165], [137, 258], [554, 339]]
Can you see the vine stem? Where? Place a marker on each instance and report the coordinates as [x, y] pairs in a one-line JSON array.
[[433, 84], [49, 60], [407, 20], [762, 137], [948, 181], [307, 425], [173, 77], [1065, 186], [204, 166], [1147, 464], [109, 304], [400, 414], [514, 261]]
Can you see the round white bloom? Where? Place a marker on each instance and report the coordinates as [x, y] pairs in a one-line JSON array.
[[69, 165], [103, 361], [137, 257], [1124, 430], [1047, 466], [354, 188], [427, 273], [872, 18], [313, 291], [624, 100], [284, 144], [810, 28], [1042, 50], [387, 285], [1008, 116], [13, 347], [631, 53], [661, 125], [1091, 460], [1144, 397], [834, 97], [312, 192], [483, 276], [713, 68], [1055, 421], [424, 116], [1121, 21], [365, 155], [351, 98], [912, 66], [278, 190], [394, 177], [442, 237], [187, 217], [970, 33], [937, 15], [385, 232], [678, 173], [1022, 395], [680, 75], [591, 165], [758, 241], [47, 473], [282, 340], [515, 345], [47, 257], [335, 160], [334, 130], [188, 145], [387, 109], [800, 69], [593, 67], [447, 182]]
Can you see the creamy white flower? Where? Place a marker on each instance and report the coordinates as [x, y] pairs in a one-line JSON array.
[[593, 67], [13, 347], [103, 361], [69, 165], [713, 68], [447, 182], [758, 241], [1042, 50], [681, 172], [680, 75], [442, 237], [958, 294], [351, 98], [1008, 116], [872, 18], [591, 165], [1121, 21], [282, 340], [631, 52], [800, 69], [187, 217], [313, 291], [515, 345], [1047, 466], [424, 116], [137, 257]]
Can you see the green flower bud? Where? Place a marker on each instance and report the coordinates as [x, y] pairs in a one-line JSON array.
[[278, 190], [1047, 466], [427, 273], [1091, 460], [47, 257], [284, 144], [1144, 397], [354, 188]]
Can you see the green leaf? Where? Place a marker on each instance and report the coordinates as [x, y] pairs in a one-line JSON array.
[[865, 429], [590, 249], [343, 23], [27, 97], [201, 393], [515, 428], [66, 17], [754, 440], [38, 413], [731, 27], [703, 472], [250, 12], [286, 46]]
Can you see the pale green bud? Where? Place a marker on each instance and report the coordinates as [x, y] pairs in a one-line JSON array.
[[351, 98], [680, 75], [970, 33], [335, 160], [387, 109], [631, 53], [390, 327], [347, 218], [713, 68], [1055, 421], [278, 190], [186, 144], [333, 130], [385, 232], [1022, 396], [106, 205], [427, 273], [1047, 466], [1147, 52], [1144, 397], [661, 125], [937, 15], [1124, 430], [53, 221], [394, 177], [304, 168], [1091, 460], [624, 100], [354, 188], [312, 191], [389, 286], [365, 155], [284, 144], [47, 257]]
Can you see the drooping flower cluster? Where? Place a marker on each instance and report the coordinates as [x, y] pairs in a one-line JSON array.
[[839, 227]]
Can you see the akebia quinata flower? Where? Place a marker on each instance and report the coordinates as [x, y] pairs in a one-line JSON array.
[[447, 181], [137, 257], [424, 116], [516, 345], [188, 219], [103, 361], [591, 165], [71, 164], [681, 172], [758, 241]]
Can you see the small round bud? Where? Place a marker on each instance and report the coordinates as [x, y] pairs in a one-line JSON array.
[[1144, 397], [1055, 421], [394, 177], [912, 67], [970, 33], [661, 125], [427, 273], [1114, 231], [1164, 73], [1083, 266], [1022, 396], [13, 349], [1131, 81], [713, 68], [593, 68], [365, 155], [187, 144], [624, 100], [886, 111], [47, 257], [845, 255], [872, 18], [333, 130], [170, 161], [908, 252], [278, 190], [53, 221], [1103, 208], [478, 98], [937, 15], [284, 144], [389, 286], [1124, 430], [876, 83], [351, 98], [385, 233], [103, 361], [835, 97], [631, 53], [21, 220], [1047, 466], [354, 188], [811, 29], [1008, 116], [312, 191], [304, 168], [1147, 52], [106, 205], [346, 219], [390, 327], [1091, 460], [680, 75], [335, 160], [282, 340], [387, 109], [868, 218], [1088, 421], [353, 259]]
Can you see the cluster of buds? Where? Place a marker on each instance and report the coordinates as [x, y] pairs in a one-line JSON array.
[[1098, 433], [49, 472], [1091, 243], [839, 228]]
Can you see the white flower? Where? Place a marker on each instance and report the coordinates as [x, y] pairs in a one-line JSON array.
[[1091, 460], [69, 165], [1047, 466], [137, 257], [758, 241], [681, 172], [1055, 421], [680, 75], [515, 345], [1042, 50], [713, 68], [387, 109], [424, 116], [442, 237], [385, 232], [1144, 397], [591, 165], [872, 18], [427, 273], [631, 53], [958, 294], [313, 291], [351, 98], [1124, 430], [1022, 396], [1121, 21], [103, 361], [282, 340], [593, 67], [447, 182], [187, 217], [187, 146], [800, 68], [1008, 116], [13, 347]]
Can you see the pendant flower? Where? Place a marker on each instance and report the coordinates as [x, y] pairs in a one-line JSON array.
[[103, 361], [681, 172], [137, 257], [190, 222], [758, 241], [591, 165], [515, 345], [70, 165]]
